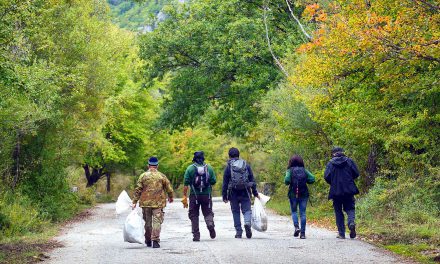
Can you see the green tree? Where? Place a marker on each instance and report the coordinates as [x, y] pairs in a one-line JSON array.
[[217, 57]]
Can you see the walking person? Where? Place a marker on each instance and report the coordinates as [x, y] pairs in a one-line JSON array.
[[340, 173], [238, 185], [199, 177], [297, 177], [151, 191]]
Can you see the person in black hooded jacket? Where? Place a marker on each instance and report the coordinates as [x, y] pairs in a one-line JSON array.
[[340, 173]]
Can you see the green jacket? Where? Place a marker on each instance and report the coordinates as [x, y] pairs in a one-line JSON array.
[[152, 190], [189, 177], [287, 180]]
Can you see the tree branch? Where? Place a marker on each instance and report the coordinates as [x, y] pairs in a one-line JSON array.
[[278, 63], [427, 4], [309, 38]]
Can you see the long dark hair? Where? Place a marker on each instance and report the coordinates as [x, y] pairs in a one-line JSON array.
[[295, 161]]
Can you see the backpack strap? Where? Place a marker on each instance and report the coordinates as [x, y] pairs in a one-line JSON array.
[[207, 174], [192, 185]]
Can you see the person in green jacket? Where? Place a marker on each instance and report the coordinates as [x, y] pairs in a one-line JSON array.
[[199, 177], [297, 177]]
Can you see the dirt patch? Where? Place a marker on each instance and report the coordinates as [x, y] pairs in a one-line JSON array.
[[27, 252], [433, 254]]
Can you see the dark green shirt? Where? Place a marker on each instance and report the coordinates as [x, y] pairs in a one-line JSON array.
[[189, 177]]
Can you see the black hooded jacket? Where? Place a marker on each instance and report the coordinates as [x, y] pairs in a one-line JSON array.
[[340, 174]]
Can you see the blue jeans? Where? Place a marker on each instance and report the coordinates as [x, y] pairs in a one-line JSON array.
[[244, 203], [346, 203], [302, 204]]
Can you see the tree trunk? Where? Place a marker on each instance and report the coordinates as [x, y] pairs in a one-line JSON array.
[[372, 166], [16, 157], [87, 173], [107, 174], [93, 177]]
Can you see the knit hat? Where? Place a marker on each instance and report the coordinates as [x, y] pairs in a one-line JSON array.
[[153, 161]]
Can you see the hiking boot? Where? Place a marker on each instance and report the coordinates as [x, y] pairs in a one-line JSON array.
[[148, 242], [211, 232], [352, 228], [341, 236], [196, 236], [156, 244], [238, 236], [296, 233], [248, 230], [303, 236]]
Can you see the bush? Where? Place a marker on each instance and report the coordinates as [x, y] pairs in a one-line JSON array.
[[18, 215], [405, 209]]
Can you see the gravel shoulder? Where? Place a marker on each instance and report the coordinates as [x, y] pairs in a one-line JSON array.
[[98, 239]]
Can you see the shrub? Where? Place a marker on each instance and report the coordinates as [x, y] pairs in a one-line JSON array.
[[18, 215]]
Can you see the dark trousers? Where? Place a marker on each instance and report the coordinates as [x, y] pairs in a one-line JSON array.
[[204, 202], [243, 203], [346, 203], [302, 204]]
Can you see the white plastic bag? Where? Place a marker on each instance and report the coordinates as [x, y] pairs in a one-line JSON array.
[[134, 227], [123, 203], [259, 216]]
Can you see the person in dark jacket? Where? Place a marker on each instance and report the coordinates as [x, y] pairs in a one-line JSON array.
[[199, 178], [297, 177], [238, 185], [340, 173]]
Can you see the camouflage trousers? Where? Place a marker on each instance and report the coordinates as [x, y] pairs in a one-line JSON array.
[[153, 220]]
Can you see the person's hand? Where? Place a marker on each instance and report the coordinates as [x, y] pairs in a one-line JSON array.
[[225, 200], [185, 202], [258, 196], [133, 206], [170, 199]]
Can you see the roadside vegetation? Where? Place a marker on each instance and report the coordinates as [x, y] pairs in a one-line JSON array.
[[86, 99]]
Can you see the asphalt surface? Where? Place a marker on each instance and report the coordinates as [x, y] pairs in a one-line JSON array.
[[98, 239]]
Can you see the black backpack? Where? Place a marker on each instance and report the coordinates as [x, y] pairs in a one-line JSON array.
[[298, 182], [239, 175], [201, 177]]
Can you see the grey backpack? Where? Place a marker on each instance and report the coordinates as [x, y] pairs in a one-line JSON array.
[[239, 175]]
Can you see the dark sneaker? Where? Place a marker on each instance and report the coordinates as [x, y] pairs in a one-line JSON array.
[[341, 236], [211, 232], [248, 230], [156, 244], [303, 236], [148, 243], [238, 236], [352, 228], [296, 232], [196, 239]]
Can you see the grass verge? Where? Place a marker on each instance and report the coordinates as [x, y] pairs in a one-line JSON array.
[[376, 232], [30, 248]]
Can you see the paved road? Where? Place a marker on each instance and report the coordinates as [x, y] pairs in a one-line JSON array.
[[99, 240]]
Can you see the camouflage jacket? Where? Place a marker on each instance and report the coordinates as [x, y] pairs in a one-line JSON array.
[[152, 189]]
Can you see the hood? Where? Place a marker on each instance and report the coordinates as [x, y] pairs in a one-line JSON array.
[[339, 161]]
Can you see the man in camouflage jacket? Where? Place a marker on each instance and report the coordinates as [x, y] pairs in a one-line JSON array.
[[151, 191]]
